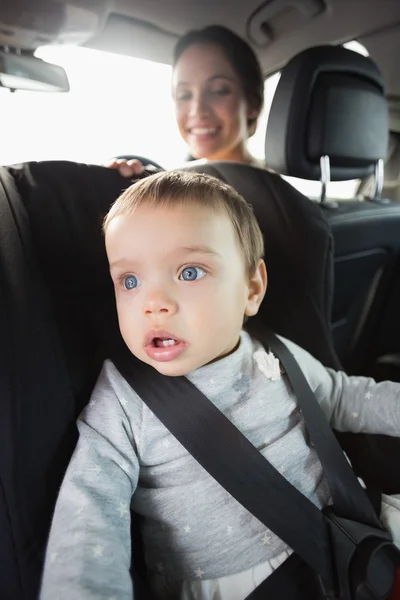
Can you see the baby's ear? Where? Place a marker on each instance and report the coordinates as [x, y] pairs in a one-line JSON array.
[[257, 289]]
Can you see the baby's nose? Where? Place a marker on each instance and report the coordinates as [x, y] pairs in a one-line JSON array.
[[158, 301]]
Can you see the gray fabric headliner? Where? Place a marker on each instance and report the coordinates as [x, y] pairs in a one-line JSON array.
[[149, 28], [154, 26]]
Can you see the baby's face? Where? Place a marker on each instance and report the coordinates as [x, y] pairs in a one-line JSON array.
[[181, 286]]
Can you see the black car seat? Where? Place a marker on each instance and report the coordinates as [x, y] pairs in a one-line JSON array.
[[57, 313], [58, 308], [329, 121], [54, 280], [383, 344]]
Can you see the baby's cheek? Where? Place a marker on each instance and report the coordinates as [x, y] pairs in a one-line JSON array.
[[126, 320], [124, 330]]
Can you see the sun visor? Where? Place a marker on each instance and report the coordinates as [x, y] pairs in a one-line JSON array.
[[132, 37]]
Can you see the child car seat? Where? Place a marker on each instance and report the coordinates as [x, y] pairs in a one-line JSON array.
[[57, 311]]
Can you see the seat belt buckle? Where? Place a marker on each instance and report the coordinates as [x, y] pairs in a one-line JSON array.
[[364, 559]]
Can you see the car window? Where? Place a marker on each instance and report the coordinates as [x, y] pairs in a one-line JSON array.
[[117, 105]]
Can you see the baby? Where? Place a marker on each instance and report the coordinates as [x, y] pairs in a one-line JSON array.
[[186, 259]]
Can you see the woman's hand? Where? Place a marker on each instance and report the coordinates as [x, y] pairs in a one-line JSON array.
[[127, 168]]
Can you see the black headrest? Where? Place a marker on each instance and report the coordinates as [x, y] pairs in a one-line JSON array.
[[329, 101]]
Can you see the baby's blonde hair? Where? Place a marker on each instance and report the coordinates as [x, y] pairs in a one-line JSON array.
[[171, 188]]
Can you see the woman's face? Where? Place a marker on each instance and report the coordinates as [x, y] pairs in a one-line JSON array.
[[211, 110]]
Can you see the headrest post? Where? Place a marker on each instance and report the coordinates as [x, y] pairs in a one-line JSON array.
[[379, 179], [325, 176]]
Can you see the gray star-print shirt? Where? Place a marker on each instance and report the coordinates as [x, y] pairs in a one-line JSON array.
[[126, 458]]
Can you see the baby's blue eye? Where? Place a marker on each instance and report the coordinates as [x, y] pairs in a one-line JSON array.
[[130, 282], [192, 273]]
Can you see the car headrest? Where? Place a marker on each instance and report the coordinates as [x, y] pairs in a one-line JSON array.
[[329, 101]]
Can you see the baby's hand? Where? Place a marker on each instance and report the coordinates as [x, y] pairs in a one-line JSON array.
[[127, 168]]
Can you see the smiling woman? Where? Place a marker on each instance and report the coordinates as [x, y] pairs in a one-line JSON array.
[[218, 91]]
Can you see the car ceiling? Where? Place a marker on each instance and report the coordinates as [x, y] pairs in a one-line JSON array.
[[277, 29], [156, 24]]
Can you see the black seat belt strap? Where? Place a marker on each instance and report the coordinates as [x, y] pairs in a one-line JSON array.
[[232, 460], [349, 498]]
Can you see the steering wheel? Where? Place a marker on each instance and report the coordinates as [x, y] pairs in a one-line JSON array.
[[145, 161]]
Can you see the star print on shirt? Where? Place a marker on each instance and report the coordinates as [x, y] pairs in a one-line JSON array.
[[166, 443], [354, 415], [368, 396], [92, 403], [97, 469], [229, 530], [123, 402], [53, 556], [98, 550], [123, 509], [187, 529], [199, 573], [266, 539]]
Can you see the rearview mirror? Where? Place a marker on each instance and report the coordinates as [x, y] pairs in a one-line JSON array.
[[26, 72]]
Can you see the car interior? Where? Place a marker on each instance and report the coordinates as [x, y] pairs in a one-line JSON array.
[[333, 262]]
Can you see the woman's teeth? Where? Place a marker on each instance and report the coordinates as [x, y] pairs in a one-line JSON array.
[[203, 130]]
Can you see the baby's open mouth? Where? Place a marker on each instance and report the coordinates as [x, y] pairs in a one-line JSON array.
[[159, 342], [162, 346]]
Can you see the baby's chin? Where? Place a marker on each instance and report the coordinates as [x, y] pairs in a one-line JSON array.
[[176, 368], [173, 370], [182, 366]]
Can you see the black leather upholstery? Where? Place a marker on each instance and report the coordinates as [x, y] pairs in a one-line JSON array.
[[329, 101], [367, 248], [384, 341]]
